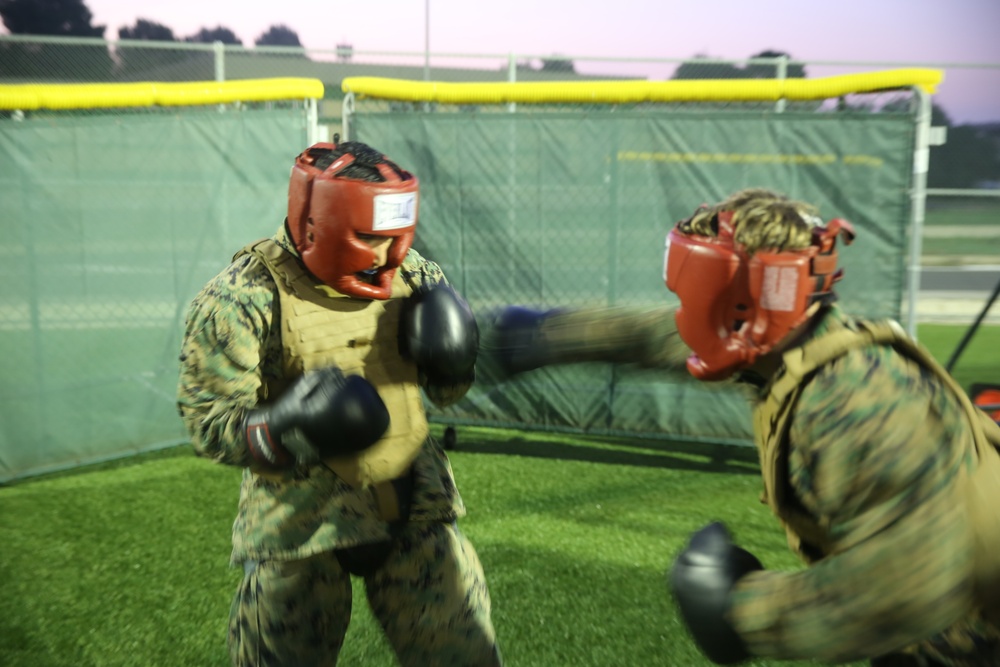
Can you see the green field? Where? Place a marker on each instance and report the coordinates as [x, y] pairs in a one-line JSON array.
[[974, 213], [962, 211], [978, 362], [962, 246], [126, 563]]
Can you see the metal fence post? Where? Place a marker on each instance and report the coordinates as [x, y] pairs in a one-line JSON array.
[[918, 200]]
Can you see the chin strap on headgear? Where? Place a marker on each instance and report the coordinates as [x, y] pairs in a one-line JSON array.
[[736, 307]]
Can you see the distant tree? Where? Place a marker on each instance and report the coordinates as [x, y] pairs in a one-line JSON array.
[[278, 35], [46, 62], [970, 155], [217, 34], [51, 17], [769, 71], [939, 116], [145, 29], [522, 65], [558, 64], [699, 67], [136, 62]]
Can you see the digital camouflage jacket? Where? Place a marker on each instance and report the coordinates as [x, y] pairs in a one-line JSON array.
[[231, 348]]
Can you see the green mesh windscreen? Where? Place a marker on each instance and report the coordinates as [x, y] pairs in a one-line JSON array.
[[113, 222], [558, 208]]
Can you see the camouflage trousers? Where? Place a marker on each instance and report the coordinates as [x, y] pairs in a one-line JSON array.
[[429, 596]]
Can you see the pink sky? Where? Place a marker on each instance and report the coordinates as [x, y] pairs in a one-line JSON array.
[[891, 32]]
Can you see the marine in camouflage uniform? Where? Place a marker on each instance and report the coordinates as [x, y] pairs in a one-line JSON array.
[[302, 531], [884, 476]]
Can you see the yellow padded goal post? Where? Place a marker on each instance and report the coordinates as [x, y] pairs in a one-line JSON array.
[[635, 91], [30, 97]]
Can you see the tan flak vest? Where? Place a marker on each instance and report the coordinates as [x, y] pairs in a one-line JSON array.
[[321, 327], [772, 421]]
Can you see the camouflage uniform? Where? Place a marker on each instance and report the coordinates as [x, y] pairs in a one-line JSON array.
[[873, 461], [298, 533], [875, 448]]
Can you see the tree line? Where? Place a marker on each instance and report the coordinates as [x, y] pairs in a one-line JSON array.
[[970, 157], [72, 18]]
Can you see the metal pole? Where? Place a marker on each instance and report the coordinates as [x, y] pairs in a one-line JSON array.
[[347, 112], [219, 50], [781, 74], [313, 131], [427, 40], [918, 200], [220, 60], [511, 77]]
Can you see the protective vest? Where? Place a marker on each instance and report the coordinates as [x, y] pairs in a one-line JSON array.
[[772, 421], [321, 327]]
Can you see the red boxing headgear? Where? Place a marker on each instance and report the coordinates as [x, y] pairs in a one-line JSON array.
[[327, 211], [735, 308]]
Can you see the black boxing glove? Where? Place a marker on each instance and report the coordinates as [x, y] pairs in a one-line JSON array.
[[701, 580], [322, 414], [516, 341], [439, 333]]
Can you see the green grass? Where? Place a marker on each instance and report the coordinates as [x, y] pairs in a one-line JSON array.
[[962, 211], [969, 245], [978, 362], [126, 563], [974, 212]]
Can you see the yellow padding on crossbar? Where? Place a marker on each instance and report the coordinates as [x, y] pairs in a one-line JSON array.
[[27, 97], [622, 92]]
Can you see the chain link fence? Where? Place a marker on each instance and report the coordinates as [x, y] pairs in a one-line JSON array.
[[963, 179], [561, 205], [115, 218], [121, 214]]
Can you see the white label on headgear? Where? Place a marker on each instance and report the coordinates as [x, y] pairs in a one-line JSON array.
[[666, 256], [778, 291], [394, 211]]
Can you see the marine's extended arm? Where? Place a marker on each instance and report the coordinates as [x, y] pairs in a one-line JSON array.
[[522, 339]]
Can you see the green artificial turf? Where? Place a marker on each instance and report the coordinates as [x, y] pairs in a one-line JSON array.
[[959, 246], [962, 211], [978, 362], [126, 563]]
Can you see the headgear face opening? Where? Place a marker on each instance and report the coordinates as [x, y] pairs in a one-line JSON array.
[[327, 211], [736, 307]]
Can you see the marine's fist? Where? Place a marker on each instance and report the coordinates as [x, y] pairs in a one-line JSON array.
[[516, 340], [324, 413], [439, 333], [701, 580]]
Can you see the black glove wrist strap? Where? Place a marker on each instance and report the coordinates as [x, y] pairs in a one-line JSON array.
[[265, 447]]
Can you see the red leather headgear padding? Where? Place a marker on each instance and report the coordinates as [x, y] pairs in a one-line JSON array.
[[735, 308], [327, 211]]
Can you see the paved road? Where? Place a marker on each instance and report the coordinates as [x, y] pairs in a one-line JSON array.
[[957, 294], [959, 278]]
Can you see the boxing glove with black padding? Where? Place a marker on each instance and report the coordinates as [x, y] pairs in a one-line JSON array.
[[439, 333], [517, 341], [701, 580], [324, 413]]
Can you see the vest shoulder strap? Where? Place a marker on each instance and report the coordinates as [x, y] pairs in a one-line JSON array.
[[250, 247]]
